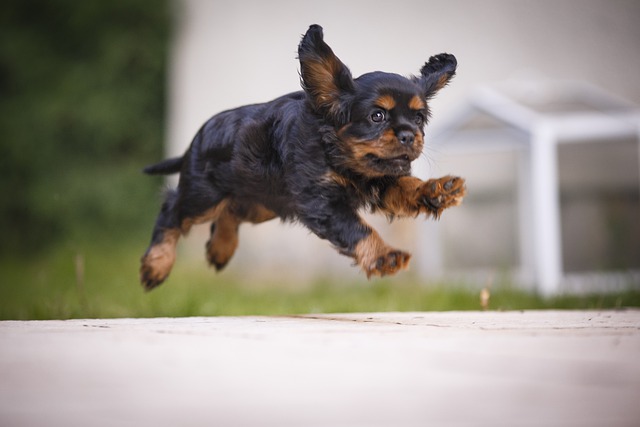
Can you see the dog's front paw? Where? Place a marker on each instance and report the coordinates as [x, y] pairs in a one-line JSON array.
[[388, 263], [377, 259], [437, 195]]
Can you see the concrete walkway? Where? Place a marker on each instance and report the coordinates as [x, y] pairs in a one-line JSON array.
[[539, 368]]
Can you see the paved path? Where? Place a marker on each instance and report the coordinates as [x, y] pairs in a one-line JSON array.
[[571, 368]]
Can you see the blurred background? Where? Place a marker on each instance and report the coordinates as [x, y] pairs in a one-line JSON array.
[[542, 119]]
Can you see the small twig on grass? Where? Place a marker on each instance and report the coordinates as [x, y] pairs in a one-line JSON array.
[[79, 269], [485, 293]]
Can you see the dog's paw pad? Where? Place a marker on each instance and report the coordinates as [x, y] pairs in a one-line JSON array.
[[440, 194], [389, 263]]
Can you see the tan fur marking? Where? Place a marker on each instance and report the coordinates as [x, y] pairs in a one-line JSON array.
[[369, 249], [442, 81], [387, 146], [402, 199], [417, 103], [224, 240], [258, 214], [387, 102], [384, 147], [376, 258], [158, 261], [210, 215], [319, 76], [335, 178], [418, 142]]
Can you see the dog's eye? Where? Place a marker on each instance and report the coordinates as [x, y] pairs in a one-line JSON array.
[[377, 116], [419, 119]]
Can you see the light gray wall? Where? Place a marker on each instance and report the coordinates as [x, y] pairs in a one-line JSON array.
[[229, 53]]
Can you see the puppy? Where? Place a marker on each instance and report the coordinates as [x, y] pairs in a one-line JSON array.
[[317, 157]]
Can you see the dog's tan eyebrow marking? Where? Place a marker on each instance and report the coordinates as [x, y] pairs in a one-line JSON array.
[[417, 103], [387, 102]]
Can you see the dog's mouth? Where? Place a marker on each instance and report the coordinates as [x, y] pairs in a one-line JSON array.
[[398, 165]]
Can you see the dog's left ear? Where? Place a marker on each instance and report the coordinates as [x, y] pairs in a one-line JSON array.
[[325, 79], [436, 73]]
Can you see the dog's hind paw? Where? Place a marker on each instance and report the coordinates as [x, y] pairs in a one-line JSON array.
[[149, 278], [157, 262], [219, 255]]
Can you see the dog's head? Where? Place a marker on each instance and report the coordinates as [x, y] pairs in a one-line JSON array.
[[378, 117]]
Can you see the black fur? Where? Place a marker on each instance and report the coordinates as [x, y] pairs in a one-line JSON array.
[[316, 156]]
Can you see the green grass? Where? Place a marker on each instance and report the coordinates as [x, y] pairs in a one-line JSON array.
[[51, 287]]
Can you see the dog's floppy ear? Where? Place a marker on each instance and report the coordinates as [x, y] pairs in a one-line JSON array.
[[325, 79], [436, 73]]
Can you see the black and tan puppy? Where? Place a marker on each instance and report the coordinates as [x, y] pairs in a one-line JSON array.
[[316, 156]]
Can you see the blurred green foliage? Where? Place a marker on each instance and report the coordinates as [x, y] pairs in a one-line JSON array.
[[99, 281], [82, 101]]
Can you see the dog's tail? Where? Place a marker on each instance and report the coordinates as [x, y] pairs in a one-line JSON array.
[[165, 167]]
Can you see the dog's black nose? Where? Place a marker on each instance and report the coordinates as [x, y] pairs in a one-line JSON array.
[[406, 137]]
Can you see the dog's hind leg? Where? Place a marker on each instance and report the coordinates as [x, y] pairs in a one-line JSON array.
[[158, 260], [224, 232], [224, 239], [176, 218]]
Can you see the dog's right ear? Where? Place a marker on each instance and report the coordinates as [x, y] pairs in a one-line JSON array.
[[436, 73], [325, 79]]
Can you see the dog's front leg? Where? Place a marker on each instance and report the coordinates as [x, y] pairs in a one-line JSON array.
[[355, 238], [376, 258], [411, 196]]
